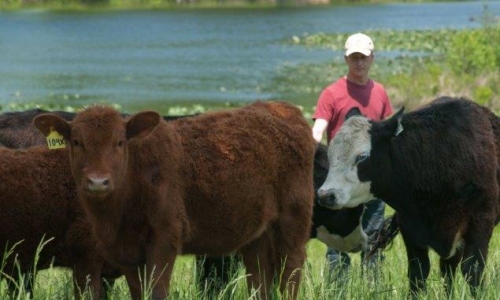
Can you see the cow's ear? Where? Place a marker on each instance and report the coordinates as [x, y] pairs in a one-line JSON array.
[[399, 117], [50, 122], [393, 126], [142, 124], [353, 112]]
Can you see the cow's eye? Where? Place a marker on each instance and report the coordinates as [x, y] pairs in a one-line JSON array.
[[120, 143], [76, 143], [360, 158]]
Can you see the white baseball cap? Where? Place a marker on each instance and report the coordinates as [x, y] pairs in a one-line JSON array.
[[359, 43]]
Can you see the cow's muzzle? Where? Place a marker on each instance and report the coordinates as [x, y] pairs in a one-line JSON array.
[[97, 184], [326, 198]]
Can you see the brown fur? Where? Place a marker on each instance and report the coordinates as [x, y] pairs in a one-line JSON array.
[[223, 181], [17, 131], [38, 201]]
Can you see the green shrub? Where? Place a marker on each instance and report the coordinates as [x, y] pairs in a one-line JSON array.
[[483, 95], [472, 52]]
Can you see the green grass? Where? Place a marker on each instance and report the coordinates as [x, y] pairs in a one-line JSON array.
[[388, 282]]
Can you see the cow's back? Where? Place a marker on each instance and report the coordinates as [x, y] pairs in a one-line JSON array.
[[453, 129], [17, 131], [242, 165]]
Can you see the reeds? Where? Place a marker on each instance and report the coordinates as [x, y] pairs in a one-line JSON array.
[[387, 281]]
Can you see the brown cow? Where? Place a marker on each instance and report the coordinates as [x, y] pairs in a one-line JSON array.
[[212, 184], [339, 229], [38, 203]]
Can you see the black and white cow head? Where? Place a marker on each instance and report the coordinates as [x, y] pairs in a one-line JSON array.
[[350, 173], [338, 229]]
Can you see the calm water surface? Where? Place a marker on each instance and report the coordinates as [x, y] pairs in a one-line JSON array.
[[157, 58]]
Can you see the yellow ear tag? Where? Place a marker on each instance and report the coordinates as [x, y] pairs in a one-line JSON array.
[[55, 140]]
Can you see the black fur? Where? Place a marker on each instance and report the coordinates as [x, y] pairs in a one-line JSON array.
[[440, 175]]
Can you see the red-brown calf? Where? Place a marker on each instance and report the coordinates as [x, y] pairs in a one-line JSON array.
[[236, 180], [38, 202]]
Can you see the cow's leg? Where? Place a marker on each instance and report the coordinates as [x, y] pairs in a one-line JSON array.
[[160, 265], [146, 284], [448, 268], [292, 231], [290, 252], [476, 252], [290, 261], [142, 284], [88, 272], [133, 282], [258, 260], [418, 265]]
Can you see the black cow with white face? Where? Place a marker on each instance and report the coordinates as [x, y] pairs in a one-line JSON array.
[[338, 229], [438, 168]]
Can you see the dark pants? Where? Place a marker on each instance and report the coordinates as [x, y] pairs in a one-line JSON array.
[[372, 221]]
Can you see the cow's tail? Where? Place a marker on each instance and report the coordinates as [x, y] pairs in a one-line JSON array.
[[384, 237]]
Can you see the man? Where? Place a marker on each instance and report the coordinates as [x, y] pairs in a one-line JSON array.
[[355, 90]]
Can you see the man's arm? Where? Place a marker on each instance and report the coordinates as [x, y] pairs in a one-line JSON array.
[[318, 129]]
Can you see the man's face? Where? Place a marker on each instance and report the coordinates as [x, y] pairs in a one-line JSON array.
[[359, 64]]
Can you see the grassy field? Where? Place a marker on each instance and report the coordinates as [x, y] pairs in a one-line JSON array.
[[386, 282]]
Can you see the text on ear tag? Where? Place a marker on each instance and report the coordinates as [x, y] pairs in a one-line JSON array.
[[55, 140]]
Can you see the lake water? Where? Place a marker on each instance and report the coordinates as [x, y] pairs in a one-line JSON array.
[[157, 58]]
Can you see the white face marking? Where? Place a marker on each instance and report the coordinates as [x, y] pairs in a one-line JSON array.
[[354, 242], [458, 243], [352, 140]]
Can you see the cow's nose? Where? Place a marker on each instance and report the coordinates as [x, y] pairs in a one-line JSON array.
[[98, 184], [323, 193], [326, 201], [327, 198]]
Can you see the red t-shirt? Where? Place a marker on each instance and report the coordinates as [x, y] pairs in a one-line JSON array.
[[342, 95]]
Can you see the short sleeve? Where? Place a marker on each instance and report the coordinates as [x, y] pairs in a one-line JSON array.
[[387, 108], [324, 108]]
